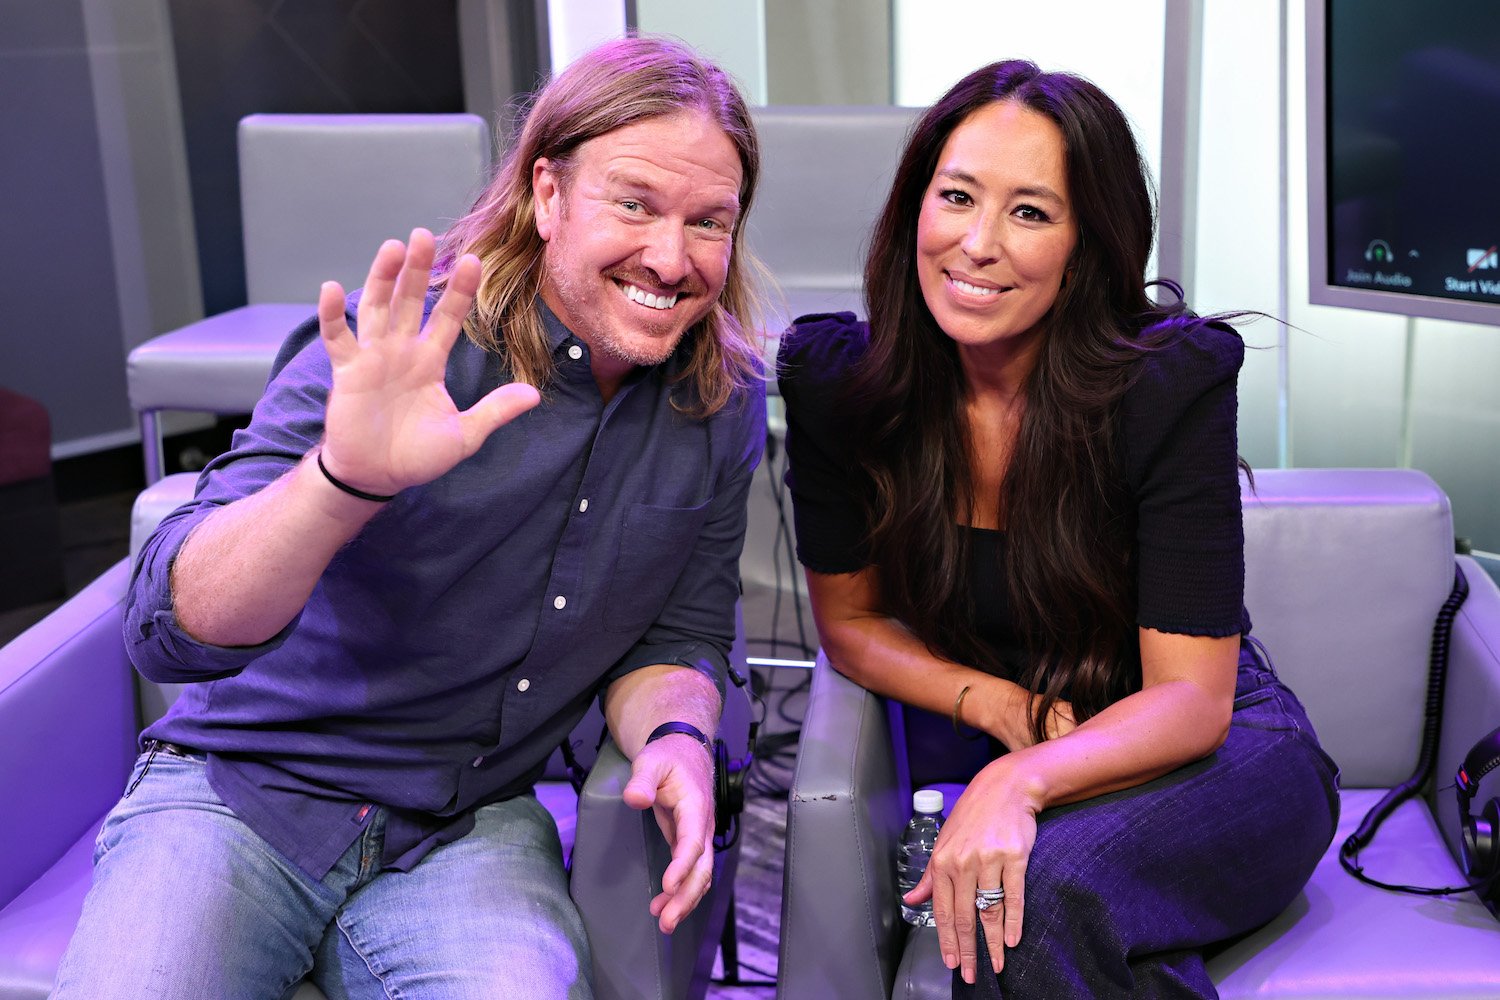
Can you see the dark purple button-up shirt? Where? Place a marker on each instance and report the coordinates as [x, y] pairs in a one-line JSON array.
[[462, 635]]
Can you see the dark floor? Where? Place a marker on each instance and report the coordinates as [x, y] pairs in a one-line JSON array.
[[95, 528]]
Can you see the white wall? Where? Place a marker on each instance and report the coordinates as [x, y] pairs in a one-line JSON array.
[[575, 26], [1116, 45], [1237, 238], [731, 34]]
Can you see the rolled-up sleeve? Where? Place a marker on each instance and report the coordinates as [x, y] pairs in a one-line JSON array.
[[286, 423]]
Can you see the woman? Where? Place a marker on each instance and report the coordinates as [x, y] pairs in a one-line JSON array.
[[1017, 502]]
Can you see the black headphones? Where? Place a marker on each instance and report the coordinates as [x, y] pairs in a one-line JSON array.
[[1481, 848], [730, 773], [1478, 849], [1478, 842]]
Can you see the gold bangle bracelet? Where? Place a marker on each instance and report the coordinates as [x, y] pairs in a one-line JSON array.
[[958, 704]]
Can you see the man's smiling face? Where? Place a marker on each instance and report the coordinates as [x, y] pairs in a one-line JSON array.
[[639, 226]]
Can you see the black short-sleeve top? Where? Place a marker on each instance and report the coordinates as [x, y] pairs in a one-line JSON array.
[[1177, 442]]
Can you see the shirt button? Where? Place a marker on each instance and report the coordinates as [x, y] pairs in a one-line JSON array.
[[575, 352], [522, 684], [559, 602], [583, 505], [477, 762]]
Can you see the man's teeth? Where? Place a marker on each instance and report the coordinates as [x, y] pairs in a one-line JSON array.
[[964, 286], [634, 294]]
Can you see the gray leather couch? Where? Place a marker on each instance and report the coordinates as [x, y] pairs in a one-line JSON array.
[[71, 707], [1346, 571]]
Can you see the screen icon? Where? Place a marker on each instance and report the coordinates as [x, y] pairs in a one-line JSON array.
[[1484, 260]]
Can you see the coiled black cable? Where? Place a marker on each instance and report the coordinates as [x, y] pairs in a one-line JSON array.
[[1437, 677]]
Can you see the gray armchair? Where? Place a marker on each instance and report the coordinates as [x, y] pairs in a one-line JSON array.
[[71, 707], [1346, 571], [825, 173], [318, 194]]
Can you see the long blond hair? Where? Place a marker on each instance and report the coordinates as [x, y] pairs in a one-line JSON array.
[[617, 84]]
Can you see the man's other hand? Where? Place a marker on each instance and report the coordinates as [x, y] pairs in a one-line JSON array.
[[673, 777]]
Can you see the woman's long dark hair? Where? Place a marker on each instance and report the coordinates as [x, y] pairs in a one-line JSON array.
[[1069, 524]]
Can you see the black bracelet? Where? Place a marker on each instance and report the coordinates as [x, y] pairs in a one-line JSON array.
[[673, 728], [373, 497]]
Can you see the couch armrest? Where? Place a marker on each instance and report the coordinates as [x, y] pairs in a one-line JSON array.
[[619, 856], [1471, 702], [67, 728], [844, 818]]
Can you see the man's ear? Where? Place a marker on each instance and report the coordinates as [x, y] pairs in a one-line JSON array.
[[546, 197]]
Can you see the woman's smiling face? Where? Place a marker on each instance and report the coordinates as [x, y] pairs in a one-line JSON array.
[[996, 231]]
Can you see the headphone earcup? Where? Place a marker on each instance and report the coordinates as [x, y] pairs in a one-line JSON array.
[[723, 814], [1480, 848], [729, 788]]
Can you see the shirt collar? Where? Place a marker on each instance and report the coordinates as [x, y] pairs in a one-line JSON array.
[[558, 335]]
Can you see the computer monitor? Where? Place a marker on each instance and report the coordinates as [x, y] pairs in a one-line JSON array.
[[1404, 156]]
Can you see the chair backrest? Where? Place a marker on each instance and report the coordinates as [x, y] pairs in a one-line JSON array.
[[1345, 572], [319, 193], [825, 173]]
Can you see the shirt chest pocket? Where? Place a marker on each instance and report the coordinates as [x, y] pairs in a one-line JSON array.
[[655, 544]]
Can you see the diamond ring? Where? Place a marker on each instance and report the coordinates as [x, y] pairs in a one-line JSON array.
[[986, 898]]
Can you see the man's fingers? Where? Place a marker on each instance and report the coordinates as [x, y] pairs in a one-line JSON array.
[[338, 341], [688, 894], [380, 283], [410, 294], [447, 319], [688, 848], [640, 790], [499, 407]]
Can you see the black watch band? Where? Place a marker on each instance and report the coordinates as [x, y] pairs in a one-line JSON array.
[[686, 729]]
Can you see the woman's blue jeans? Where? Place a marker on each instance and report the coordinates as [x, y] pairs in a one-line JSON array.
[[188, 902], [1124, 890]]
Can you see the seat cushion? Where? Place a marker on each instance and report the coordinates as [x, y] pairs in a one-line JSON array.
[[218, 365], [36, 926], [1339, 938]]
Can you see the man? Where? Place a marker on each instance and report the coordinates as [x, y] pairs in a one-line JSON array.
[[403, 586]]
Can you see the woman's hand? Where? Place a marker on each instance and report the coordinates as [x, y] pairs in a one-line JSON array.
[[984, 844], [391, 423]]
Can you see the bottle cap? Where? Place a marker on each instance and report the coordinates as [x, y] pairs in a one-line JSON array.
[[928, 800]]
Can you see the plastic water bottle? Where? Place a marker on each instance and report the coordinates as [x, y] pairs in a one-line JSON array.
[[917, 842]]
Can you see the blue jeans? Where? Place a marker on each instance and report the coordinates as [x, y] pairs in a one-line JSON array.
[[188, 902], [1123, 891]]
